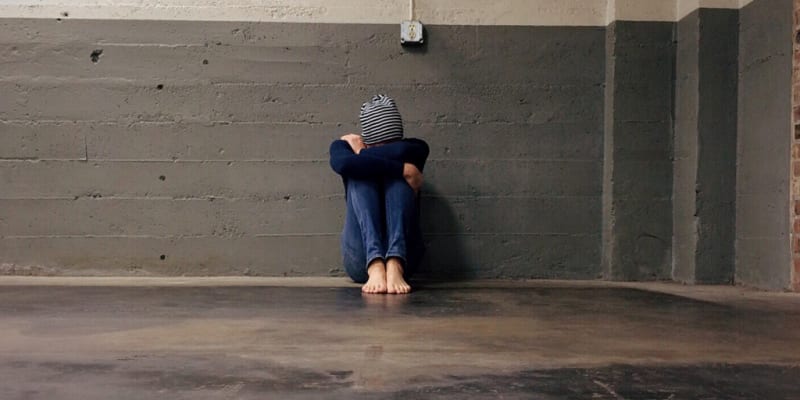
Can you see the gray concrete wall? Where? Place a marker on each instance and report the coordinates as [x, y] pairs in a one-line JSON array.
[[763, 252], [705, 146], [638, 137], [199, 148], [687, 104], [716, 169]]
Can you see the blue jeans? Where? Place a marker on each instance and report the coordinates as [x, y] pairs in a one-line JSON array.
[[382, 221]]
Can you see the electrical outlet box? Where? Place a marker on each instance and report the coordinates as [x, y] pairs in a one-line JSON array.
[[411, 33]]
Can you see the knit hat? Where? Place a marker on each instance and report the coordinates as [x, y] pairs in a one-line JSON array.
[[380, 120]]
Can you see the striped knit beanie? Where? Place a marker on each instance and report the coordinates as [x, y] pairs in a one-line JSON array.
[[380, 120]]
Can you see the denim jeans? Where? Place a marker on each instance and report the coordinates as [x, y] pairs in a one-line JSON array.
[[382, 221]]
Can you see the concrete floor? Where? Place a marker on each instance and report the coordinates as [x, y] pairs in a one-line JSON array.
[[80, 338]]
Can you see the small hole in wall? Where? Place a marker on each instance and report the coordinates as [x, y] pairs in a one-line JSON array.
[[64, 14], [163, 257], [160, 86], [95, 56], [205, 62], [162, 178]]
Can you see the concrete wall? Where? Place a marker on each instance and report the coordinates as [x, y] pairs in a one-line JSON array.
[[705, 147], [716, 170], [687, 104], [199, 148], [175, 137], [763, 253], [731, 216], [795, 191], [638, 135]]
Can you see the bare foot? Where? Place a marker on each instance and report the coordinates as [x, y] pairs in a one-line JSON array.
[[377, 278], [394, 278]]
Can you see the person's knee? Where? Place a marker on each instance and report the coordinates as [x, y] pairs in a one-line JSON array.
[[362, 186], [400, 196], [398, 185], [364, 195]]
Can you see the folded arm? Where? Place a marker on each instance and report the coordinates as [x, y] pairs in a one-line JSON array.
[[403, 159], [348, 164], [412, 151]]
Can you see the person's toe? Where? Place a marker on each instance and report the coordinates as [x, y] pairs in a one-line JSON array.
[[374, 288], [399, 289]]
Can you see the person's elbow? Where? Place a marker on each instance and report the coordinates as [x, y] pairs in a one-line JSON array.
[[419, 148], [345, 169], [337, 167], [425, 150], [421, 152], [347, 166], [338, 157]]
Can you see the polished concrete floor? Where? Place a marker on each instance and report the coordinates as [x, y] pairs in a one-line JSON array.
[[251, 340]]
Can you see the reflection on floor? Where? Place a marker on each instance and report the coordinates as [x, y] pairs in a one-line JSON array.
[[440, 342]]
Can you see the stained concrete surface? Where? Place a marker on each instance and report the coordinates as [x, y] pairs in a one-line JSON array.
[[197, 340]]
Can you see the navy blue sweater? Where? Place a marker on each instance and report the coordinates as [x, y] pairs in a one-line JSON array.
[[379, 161]]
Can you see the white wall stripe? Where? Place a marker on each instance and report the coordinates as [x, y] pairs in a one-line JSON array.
[[446, 12], [643, 10]]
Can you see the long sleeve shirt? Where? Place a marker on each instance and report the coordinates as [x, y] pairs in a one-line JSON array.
[[379, 161]]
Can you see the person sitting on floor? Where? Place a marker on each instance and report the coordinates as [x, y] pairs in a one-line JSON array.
[[382, 172]]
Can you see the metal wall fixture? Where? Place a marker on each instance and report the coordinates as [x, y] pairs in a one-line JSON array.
[[411, 30]]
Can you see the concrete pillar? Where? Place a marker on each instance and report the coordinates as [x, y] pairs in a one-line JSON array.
[[705, 146], [763, 194], [637, 186], [796, 149]]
